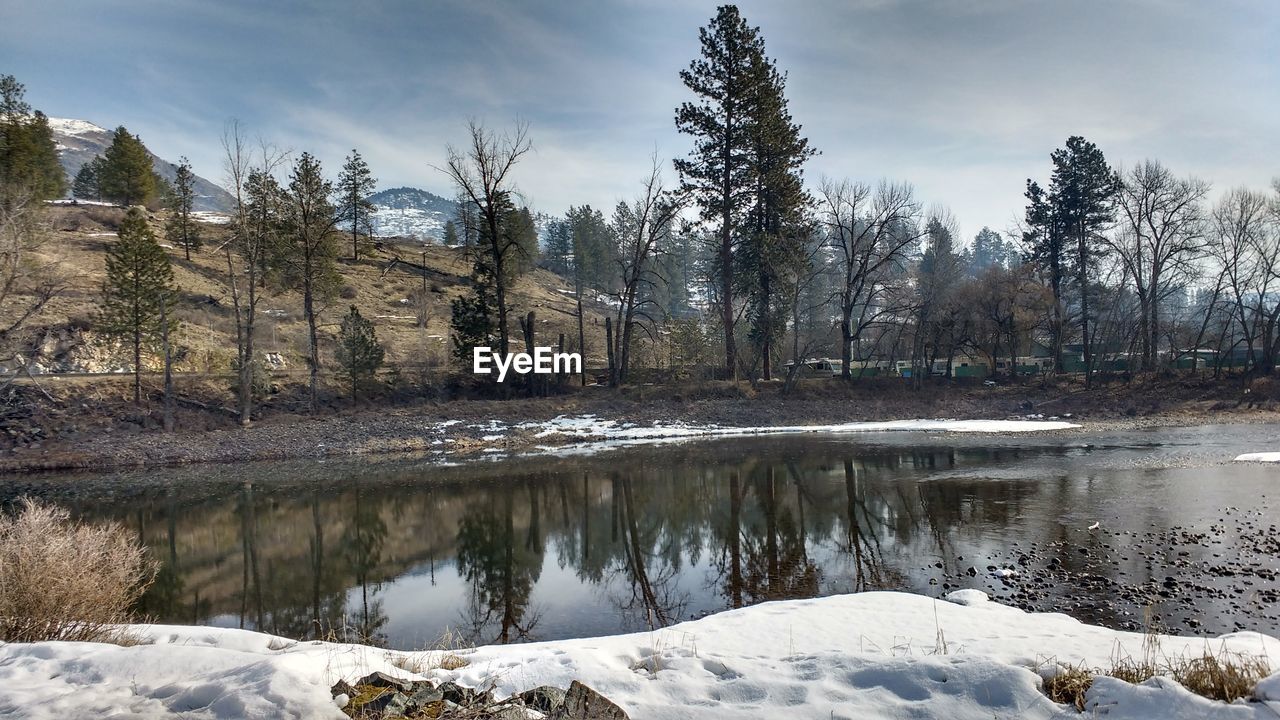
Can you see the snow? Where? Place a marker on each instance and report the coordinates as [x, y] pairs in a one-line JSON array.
[[74, 201], [1259, 457], [210, 217], [590, 426], [879, 654], [69, 126]]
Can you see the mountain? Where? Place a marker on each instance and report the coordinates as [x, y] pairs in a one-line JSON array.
[[410, 212], [79, 142]]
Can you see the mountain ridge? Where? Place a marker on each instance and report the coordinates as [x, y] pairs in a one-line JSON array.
[[79, 141]]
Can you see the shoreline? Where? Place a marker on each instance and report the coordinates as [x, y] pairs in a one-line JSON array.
[[470, 430]]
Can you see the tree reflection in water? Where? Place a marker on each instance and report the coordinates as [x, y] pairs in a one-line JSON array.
[[649, 542]]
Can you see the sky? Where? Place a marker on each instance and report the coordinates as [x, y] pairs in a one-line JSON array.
[[965, 99]]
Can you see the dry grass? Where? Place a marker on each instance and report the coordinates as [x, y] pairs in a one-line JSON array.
[[1225, 676], [62, 579], [442, 655], [1069, 686]]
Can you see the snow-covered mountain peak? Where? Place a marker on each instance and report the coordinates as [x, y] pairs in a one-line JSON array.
[[70, 126]]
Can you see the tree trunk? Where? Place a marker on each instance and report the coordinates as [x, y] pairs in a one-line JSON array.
[[582, 347], [313, 358], [766, 347], [137, 365], [1083, 278], [608, 335], [168, 366]]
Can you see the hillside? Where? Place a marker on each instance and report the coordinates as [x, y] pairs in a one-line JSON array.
[[79, 142], [407, 212], [376, 285]]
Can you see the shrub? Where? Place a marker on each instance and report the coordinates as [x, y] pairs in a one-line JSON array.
[[348, 292], [62, 579]]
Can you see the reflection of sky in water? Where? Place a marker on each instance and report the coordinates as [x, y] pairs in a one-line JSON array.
[[918, 500]]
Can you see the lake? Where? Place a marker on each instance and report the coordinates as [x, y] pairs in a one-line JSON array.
[[399, 551]]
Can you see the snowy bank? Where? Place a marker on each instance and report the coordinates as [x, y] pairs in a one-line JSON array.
[[590, 426], [881, 655], [1259, 457]]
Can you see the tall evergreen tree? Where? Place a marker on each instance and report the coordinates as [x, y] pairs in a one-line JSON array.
[[358, 351], [520, 227], [125, 176], [718, 172], [559, 252], [1083, 191], [85, 186], [181, 230], [450, 234], [355, 184], [1046, 242], [773, 241], [28, 156], [138, 292], [309, 250]]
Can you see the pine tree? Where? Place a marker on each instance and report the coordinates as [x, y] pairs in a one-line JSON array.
[[355, 184], [48, 179], [309, 250], [85, 186], [718, 173], [138, 291], [450, 234], [1083, 190], [181, 230], [358, 351], [772, 246], [125, 176], [28, 154], [559, 247], [524, 238], [471, 322]]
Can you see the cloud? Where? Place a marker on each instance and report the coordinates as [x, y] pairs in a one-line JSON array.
[[964, 99]]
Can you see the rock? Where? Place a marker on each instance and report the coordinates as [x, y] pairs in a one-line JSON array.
[[544, 699], [381, 679], [424, 696], [342, 688], [464, 696], [583, 703], [508, 712], [387, 705]]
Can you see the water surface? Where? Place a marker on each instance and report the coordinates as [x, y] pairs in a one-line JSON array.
[[398, 551]]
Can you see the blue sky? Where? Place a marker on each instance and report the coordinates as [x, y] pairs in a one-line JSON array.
[[965, 99]]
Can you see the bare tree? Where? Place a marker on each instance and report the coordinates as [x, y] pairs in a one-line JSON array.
[[872, 233], [1245, 246], [640, 228], [29, 277], [482, 171], [1160, 236], [249, 176]]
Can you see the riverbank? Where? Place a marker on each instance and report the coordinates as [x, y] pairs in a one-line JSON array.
[[460, 429], [877, 654]]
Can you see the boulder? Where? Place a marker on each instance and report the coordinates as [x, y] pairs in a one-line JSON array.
[[545, 699], [387, 705], [381, 679], [583, 703]]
